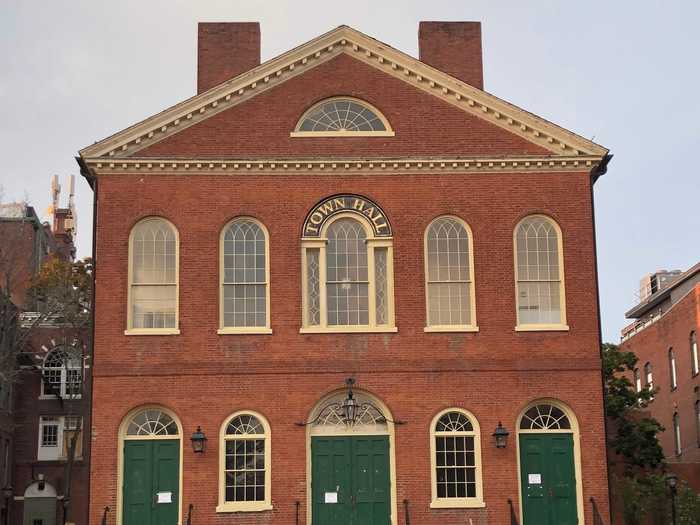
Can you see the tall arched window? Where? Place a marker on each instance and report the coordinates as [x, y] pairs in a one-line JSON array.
[[649, 378], [348, 277], [455, 450], [637, 380], [244, 459], [449, 282], [539, 274], [697, 420], [245, 280], [672, 369], [694, 363], [677, 434], [153, 277], [62, 374]]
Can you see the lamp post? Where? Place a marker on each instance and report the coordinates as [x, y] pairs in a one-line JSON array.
[[199, 441], [349, 405], [672, 481]]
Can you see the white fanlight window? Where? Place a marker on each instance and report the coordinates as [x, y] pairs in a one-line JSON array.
[[153, 278], [539, 274], [245, 278], [342, 116], [347, 282], [449, 281]]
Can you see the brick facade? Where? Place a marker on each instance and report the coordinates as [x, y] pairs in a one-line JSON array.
[[203, 377]]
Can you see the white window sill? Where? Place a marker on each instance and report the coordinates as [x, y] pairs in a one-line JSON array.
[[542, 328], [69, 397], [348, 330], [152, 331], [452, 328], [457, 503], [239, 331], [244, 507]]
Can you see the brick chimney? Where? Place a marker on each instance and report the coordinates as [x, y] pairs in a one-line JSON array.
[[454, 48], [225, 50]]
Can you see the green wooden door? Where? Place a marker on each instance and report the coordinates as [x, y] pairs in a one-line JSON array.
[[548, 481], [354, 471], [151, 468]]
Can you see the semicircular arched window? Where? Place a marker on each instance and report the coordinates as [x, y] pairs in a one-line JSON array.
[[342, 116], [152, 423], [545, 417], [62, 373]]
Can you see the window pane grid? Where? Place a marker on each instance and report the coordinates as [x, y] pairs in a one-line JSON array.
[[341, 115], [49, 434], [448, 273], [538, 272], [347, 274], [456, 467], [245, 470], [245, 305], [153, 306]]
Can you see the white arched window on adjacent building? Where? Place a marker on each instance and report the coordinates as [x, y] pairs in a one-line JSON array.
[[672, 369], [539, 275], [62, 373], [347, 282], [678, 447], [341, 117], [455, 451], [244, 463], [449, 276], [153, 278], [694, 360], [245, 278]]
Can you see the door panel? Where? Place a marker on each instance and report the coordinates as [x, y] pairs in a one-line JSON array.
[[358, 467], [138, 459], [151, 466], [548, 481]]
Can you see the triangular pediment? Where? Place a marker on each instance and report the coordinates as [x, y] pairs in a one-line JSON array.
[[343, 40]]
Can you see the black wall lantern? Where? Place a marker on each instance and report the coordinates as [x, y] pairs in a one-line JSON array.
[[199, 441], [500, 436], [350, 409]]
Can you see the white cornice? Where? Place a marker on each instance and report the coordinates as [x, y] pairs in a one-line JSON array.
[[578, 163], [343, 39]]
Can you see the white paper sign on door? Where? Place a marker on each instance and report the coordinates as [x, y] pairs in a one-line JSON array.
[[534, 479], [331, 497], [164, 497]]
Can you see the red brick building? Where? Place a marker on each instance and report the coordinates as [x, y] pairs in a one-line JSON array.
[[346, 211], [47, 402], [664, 336]]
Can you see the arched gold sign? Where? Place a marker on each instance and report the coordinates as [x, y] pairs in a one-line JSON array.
[[313, 224]]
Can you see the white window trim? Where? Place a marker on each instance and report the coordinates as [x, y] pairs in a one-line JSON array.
[[388, 132], [672, 369], [64, 381], [130, 330], [244, 506], [233, 330], [473, 326], [61, 424], [544, 327], [694, 357], [452, 503], [372, 243]]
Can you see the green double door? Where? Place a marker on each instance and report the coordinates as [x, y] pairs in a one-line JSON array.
[[350, 482], [547, 479], [151, 482]]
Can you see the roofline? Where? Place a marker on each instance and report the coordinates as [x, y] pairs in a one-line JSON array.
[[343, 39], [642, 308]]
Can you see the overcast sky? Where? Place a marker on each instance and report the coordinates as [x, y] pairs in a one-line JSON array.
[[624, 73]]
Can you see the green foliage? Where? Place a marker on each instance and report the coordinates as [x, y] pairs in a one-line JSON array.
[[635, 435], [646, 499]]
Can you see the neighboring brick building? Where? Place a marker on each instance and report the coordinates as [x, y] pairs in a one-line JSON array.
[[664, 337], [50, 395], [346, 211]]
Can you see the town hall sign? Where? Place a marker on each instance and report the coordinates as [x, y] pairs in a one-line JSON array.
[[313, 225]]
